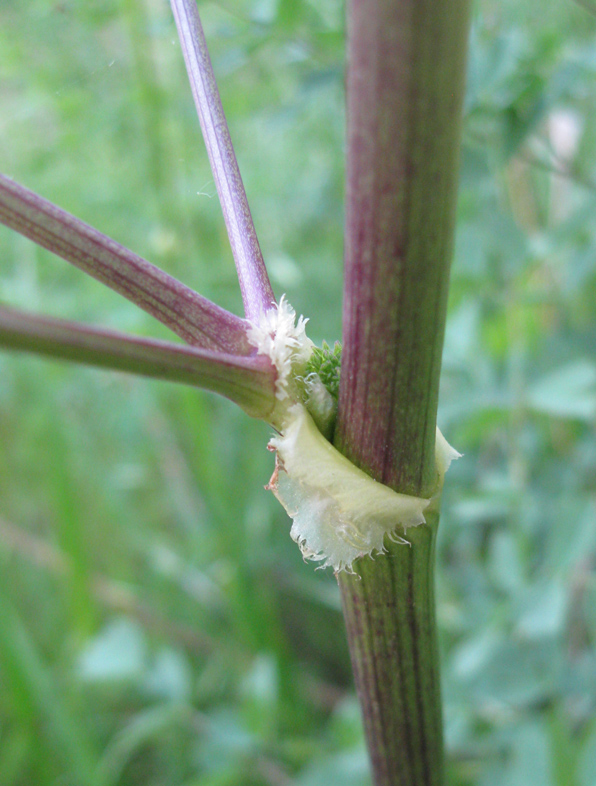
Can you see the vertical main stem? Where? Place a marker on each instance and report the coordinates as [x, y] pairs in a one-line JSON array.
[[405, 86], [390, 621]]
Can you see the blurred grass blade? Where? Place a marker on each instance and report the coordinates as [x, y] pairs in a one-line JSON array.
[[114, 595], [145, 727], [257, 294], [194, 318], [25, 674], [249, 382]]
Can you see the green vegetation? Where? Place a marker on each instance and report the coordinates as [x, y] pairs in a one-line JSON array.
[[326, 362], [157, 624]]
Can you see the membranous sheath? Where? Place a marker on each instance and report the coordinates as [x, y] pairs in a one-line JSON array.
[[339, 512]]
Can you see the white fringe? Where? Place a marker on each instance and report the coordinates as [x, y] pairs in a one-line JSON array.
[[339, 513]]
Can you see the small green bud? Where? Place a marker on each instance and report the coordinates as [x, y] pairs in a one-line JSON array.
[[326, 363]]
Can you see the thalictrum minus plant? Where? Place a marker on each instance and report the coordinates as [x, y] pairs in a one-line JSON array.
[[384, 401]]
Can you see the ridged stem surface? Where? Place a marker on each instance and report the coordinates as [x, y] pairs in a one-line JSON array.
[[257, 294], [194, 318], [248, 381], [405, 85], [389, 612]]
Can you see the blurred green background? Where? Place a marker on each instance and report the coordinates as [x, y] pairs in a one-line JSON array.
[[157, 624]]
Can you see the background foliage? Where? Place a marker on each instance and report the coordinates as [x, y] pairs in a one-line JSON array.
[[157, 625]]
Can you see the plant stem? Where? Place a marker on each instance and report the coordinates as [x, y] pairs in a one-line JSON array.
[[249, 382], [406, 64], [257, 294], [194, 318], [390, 622]]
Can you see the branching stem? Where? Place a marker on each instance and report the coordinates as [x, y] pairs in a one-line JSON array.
[[257, 294], [250, 382], [194, 318]]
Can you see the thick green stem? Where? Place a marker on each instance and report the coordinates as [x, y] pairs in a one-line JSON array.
[[406, 64], [390, 621]]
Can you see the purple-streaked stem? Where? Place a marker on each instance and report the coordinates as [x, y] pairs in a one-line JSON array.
[[194, 318], [257, 294], [406, 65], [248, 381]]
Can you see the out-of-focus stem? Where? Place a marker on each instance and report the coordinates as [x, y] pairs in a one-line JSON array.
[[406, 64], [257, 294], [249, 382], [194, 318]]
